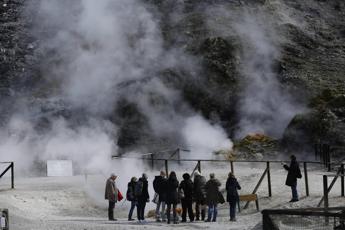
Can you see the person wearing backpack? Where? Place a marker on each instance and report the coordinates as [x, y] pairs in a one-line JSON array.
[[294, 172], [212, 197], [111, 193], [232, 195], [130, 196], [142, 194], [187, 200], [172, 195], [160, 187]]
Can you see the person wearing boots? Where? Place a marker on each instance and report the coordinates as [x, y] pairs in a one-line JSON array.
[[111, 193], [199, 194], [131, 197], [232, 195], [187, 200], [160, 187], [212, 197], [172, 196]]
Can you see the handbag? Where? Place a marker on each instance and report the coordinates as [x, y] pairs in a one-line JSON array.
[[221, 199], [156, 198], [180, 194], [119, 195]]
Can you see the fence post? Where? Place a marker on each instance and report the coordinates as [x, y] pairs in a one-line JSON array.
[[199, 166], [306, 178], [342, 179], [232, 167], [269, 179], [12, 175], [166, 168], [152, 162], [325, 195]]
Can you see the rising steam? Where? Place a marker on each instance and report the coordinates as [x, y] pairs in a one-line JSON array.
[[87, 49]]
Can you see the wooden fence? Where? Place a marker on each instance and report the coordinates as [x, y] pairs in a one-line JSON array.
[[10, 167], [266, 173]]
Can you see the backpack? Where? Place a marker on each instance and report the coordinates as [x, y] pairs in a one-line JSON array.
[[138, 188]]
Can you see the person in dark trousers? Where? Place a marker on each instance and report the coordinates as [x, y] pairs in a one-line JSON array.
[[160, 187], [142, 194], [212, 197], [199, 196], [172, 196], [130, 196], [232, 195], [111, 193], [294, 172], [187, 187]]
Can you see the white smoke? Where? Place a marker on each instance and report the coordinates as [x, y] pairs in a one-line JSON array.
[[264, 106], [88, 48]]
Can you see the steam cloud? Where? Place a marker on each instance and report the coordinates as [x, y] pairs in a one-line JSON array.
[[264, 106], [87, 49]]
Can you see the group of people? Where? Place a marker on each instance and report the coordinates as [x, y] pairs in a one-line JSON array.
[[169, 192]]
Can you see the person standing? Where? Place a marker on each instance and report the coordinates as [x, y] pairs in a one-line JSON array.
[[232, 197], [199, 196], [172, 195], [187, 201], [294, 172], [142, 194], [212, 197], [131, 197], [160, 187], [111, 193]]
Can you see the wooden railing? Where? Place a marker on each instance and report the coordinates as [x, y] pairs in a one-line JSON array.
[[232, 163], [10, 167]]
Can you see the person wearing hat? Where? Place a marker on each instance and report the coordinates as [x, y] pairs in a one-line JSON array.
[[111, 193], [294, 172], [232, 197]]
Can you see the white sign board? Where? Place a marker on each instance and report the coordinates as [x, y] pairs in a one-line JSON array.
[[59, 168]]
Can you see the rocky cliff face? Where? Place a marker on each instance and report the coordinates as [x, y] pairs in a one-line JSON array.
[[268, 66]]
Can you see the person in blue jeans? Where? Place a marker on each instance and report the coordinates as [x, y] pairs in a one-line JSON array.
[[294, 172], [212, 197], [131, 197], [232, 197]]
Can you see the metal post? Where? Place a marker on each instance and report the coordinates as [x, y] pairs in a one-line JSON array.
[[232, 167], [342, 179], [152, 162], [199, 166], [325, 194], [166, 168], [12, 175], [179, 156], [269, 179], [306, 178]]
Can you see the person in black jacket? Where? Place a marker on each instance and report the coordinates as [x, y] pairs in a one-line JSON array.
[[143, 196], [212, 197], [172, 195], [199, 196], [131, 197], [187, 200], [294, 172], [232, 195], [160, 187]]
